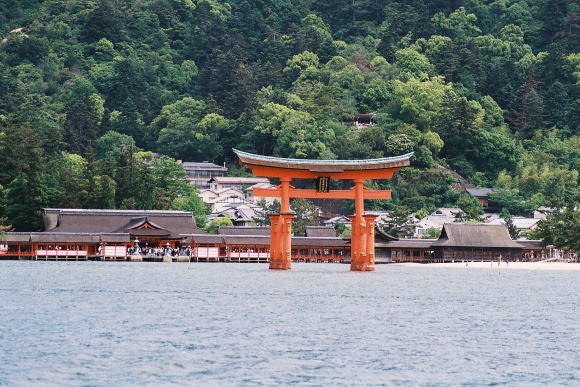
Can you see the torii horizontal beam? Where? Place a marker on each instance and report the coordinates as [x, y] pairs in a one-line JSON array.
[[314, 194], [305, 174]]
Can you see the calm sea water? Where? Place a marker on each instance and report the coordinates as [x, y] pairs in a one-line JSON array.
[[104, 324]]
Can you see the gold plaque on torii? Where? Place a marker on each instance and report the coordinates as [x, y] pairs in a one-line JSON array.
[[322, 184]]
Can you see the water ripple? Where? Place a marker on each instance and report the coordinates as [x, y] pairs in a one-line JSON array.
[[101, 324]]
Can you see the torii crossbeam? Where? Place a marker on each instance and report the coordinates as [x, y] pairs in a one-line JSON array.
[[362, 242]]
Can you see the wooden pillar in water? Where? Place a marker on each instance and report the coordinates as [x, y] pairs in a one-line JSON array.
[[281, 230], [360, 259], [370, 240]]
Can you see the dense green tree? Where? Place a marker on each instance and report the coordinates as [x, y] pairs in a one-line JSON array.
[[457, 122], [185, 134], [399, 222], [315, 36], [262, 217], [84, 112], [21, 152], [105, 21], [459, 24], [561, 228], [25, 197], [512, 202], [169, 181], [293, 133], [306, 215], [111, 144], [103, 193], [493, 152], [509, 223], [471, 209], [419, 100], [192, 202], [74, 184], [215, 224]]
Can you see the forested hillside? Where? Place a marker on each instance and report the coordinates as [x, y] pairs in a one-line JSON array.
[[489, 89]]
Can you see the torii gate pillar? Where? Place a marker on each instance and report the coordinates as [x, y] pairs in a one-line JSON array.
[[363, 241], [281, 241], [281, 230]]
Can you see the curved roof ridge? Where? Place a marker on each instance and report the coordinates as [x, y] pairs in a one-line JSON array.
[[404, 157]]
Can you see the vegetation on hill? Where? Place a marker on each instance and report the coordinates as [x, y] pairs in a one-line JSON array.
[[88, 89]]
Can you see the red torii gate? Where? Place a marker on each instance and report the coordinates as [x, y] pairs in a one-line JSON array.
[[363, 238]]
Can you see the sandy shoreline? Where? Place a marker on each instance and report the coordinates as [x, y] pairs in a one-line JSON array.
[[503, 265]]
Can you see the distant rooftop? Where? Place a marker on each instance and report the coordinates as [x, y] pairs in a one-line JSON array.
[[519, 222], [244, 230], [475, 235], [82, 211], [480, 192], [190, 165], [320, 232]]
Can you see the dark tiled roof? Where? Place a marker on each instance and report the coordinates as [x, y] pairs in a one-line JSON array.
[[480, 192], [109, 221], [130, 213], [115, 238], [319, 242], [205, 238], [152, 232], [65, 237], [188, 165], [136, 222], [320, 231], [256, 240], [382, 236], [244, 230], [475, 235], [15, 237], [531, 245], [411, 243]]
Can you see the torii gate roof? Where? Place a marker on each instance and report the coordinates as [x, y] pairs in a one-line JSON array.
[[324, 165]]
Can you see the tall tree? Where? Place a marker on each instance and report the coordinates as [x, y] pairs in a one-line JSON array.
[[471, 209], [306, 215], [561, 228], [192, 202], [509, 223], [399, 222], [25, 198], [84, 112]]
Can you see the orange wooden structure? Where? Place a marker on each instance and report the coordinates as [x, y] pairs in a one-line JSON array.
[[362, 243]]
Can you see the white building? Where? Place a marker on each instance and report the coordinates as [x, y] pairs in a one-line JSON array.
[[255, 199], [521, 223], [241, 213], [199, 174], [227, 195], [241, 183], [435, 220], [337, 219]]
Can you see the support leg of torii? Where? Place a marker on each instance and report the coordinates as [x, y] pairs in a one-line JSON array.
[[281, 231], [281, 241], [275, 248], [360, 260], [370, 238]]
